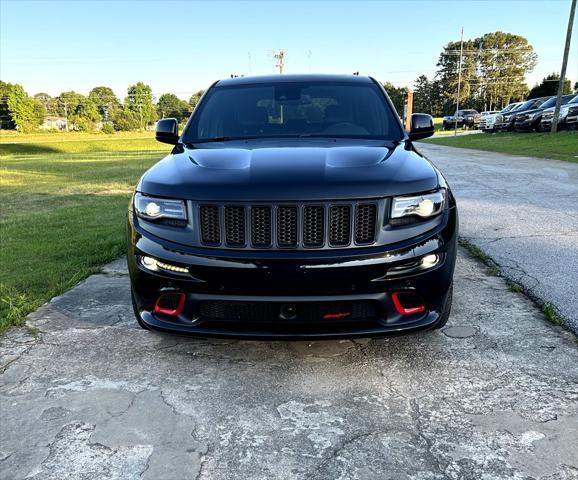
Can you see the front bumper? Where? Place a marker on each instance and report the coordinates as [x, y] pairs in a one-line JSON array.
[[526, 125], [572, 120], [308, 281]]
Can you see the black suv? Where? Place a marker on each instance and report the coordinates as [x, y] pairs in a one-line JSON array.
[[508, 119], [530, 120], [293, 206], [464, 118]]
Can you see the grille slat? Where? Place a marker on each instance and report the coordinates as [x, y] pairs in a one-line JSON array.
[[287, 226], [235, 226], [313, 225], [339, 225], [306, 225], [210, 224], [261, 226], [365, 220]]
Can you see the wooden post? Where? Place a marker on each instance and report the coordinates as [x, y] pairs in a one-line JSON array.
[[408, 109]]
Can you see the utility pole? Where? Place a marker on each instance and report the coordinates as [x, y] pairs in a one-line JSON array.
[[280, 57], [564, 64], [459, 82], [66, 113]]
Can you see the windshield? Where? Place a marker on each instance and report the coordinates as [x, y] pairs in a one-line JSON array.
[[528, 104], [294, 109], [512, 106], [551, 102]]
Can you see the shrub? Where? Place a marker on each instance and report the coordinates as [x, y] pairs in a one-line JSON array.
[[107, 128]]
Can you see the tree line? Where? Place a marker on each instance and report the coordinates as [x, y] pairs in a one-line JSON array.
[[491, 74], [493, 71], [101, 109]]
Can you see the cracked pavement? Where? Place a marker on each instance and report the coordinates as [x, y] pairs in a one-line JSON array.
[[523, 213], [494, 395]]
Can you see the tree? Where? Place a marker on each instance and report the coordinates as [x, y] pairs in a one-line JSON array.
[[139, 100], [427, 97], [549, 87], [423, 95], [106, 102], [397, 96], [195, 97], [126, 120], [493, 70], [26, 112], [81, 113], [6, 121], [576, 87], [448, 74], [503, 61], [169, 105], [48, 102]]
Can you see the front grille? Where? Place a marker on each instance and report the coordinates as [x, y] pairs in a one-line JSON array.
[[273, 311], [287, 226]]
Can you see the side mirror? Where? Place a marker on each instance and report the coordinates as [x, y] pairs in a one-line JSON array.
[[167, 131], [421, 126]]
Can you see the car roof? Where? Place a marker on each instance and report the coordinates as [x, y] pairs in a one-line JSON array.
[[293, 78]]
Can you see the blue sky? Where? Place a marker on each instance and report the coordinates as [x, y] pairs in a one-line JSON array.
[[183, 46]]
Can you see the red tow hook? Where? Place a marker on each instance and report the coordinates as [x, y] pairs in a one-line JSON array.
[[170, 307], [397, 302]]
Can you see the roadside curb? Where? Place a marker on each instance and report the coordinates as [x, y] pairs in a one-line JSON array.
[[549, 310]]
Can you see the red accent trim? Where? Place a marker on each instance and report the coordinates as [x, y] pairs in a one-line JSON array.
[[405, 311], [168, 311], [336, 315]]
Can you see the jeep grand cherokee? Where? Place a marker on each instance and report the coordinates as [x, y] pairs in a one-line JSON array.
[[293, 206]]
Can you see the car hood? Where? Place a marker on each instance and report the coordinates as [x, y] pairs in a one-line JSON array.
[[236, 171]]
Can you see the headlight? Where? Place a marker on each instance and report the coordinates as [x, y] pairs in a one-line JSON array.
[[421, 206], [171, 212]]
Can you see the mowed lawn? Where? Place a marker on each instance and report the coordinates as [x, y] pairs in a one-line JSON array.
[[559, 146], [64, 200]]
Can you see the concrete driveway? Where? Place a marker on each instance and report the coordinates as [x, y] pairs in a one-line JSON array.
[[523, 213], [494, 396]]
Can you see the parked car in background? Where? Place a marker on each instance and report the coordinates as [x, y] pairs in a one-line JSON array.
[[567, 117], [465, 118], [506, 123], [488, 122], [529, 121]]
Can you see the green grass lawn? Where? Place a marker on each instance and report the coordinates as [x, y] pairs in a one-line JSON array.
[[64, 200], [558, 146]]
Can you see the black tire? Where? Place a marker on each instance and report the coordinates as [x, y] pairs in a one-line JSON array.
[[447, 309], [136, 313]]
